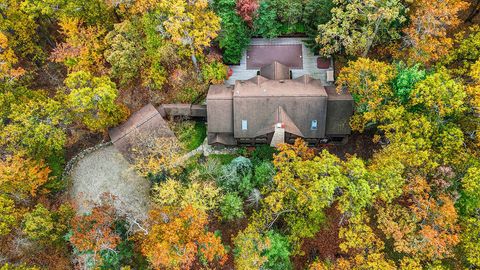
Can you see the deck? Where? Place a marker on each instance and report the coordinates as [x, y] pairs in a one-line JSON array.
[[309, 61]]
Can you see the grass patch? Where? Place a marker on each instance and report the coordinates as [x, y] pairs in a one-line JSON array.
[[191, 134]]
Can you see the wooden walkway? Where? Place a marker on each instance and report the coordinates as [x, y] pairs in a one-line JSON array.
[[240, 72]]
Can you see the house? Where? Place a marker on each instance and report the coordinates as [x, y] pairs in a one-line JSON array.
[[273, 108]]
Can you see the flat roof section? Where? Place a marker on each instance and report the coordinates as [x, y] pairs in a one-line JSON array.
[[262, 55]]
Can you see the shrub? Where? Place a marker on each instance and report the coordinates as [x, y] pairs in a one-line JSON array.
[[231, 207], [278, 254], [237, 176], [263, 153], [263, 174], [214, 72], [201, 195]]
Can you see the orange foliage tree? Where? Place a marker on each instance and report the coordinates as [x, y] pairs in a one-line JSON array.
[[94, 232], [22, 177], [176, 238], [427, 227], [426, 37]]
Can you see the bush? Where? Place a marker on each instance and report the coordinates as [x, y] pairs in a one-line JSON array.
[[278, 253], [263, 173], [231, 207], [263, 153], [237, 176], [214, 72]]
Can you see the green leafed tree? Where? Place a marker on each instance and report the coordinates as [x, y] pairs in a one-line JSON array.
[[359, 25], [93, 100], [124, 52]]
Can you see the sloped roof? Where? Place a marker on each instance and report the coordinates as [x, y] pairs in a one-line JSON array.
[[280, 116], [147, 120], [275, 71]]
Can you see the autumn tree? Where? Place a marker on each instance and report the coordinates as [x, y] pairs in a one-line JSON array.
[[93, 100], [469, 205], [369, 83], [8, 71], [8, 217], [124, 52], [47, 226], [83, 47], [94, 232], [246, 9], [177, 237], [36, 125], [427, 227], [426, 39], [357, 26], [201, 195], [21, 178]]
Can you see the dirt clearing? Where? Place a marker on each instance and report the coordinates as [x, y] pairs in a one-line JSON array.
[[106, 171]]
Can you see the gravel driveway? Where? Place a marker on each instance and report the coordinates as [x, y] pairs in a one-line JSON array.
[[106, 171]]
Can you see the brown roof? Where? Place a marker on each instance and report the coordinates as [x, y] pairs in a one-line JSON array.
[[290, 55], [147, 120], [275, 71], [257, 87], [280, 116], [219, 91]]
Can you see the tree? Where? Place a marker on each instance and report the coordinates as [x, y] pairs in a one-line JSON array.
[[246, 9], [405, 81], [439, 95], [425, 38], [237, 176], [302, 188], [178, 236], [427, 227], [7, 215], [36, 126], [124, 53], [191, 25], [266, 24], [93, 100], [369, 83], [466, 51], [202, 195], [278, 253], [234, 37], [21, 177], [47, 226], [83, 48], [469, 205], [8, 58], [214, 72], [357, 26], [93, 233], [250, 248]]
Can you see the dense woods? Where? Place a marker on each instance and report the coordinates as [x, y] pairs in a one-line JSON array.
[[406, 197]]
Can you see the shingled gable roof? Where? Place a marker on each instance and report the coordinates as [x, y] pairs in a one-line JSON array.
[[280, 116], [275, 71]]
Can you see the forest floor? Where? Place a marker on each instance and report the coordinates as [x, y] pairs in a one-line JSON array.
[[106, 171]]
